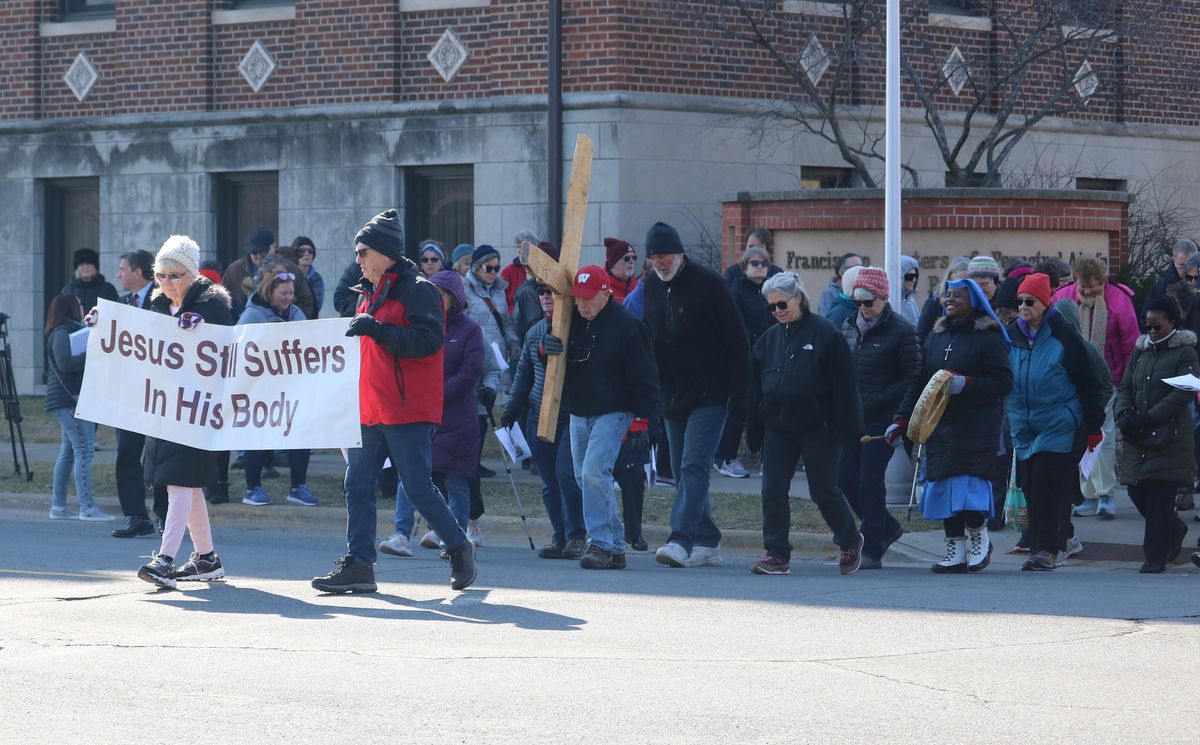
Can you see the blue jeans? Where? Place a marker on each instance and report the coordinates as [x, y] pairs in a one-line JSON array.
[[693, 444], [78, 449], [595, 442], [460, 504], [561, 494], [408, 445]]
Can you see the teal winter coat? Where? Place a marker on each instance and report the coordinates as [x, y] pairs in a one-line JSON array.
[[1057, 397]]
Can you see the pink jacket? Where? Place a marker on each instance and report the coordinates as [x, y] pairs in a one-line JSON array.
[[1122, 330]]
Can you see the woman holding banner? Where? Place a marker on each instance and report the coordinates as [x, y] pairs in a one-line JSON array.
[[272, 303], [191, 299]]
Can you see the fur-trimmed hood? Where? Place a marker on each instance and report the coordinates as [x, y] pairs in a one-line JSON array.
[[1181, 338], [202, 290], [983, 322]]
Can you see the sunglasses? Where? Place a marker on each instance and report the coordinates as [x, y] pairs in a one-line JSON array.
[[361, 252], [544, 291], [430, 260], [490, 269], [285, 277], [781, 305], [629, 257], [172, 277], [306, 252], [1193, 277], [864, 303], [910, 277], [757, 264], [1026, 301]]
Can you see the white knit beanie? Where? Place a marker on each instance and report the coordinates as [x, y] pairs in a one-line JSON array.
[[181, 250], [848, 280]]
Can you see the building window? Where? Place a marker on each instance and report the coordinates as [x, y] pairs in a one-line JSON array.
[[963, 7], [1102, 184], [245, 202], [73, 9], [439, 203], [239, 4], [820, 177]]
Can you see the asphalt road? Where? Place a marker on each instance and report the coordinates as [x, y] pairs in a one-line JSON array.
[[543, 652]]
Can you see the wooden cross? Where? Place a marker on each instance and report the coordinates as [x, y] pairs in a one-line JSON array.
[[559, 276]]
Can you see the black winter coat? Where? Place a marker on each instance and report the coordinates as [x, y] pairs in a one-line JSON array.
[[802, 381], [610, 365], [967, 439], [749, 300], [166, 463], [66, 370], [887, 359], [90, 291], [1142, 391], [930, 313], [699, 341], [345, 297]]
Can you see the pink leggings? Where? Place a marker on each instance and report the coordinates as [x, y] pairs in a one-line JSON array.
[[186, 508]]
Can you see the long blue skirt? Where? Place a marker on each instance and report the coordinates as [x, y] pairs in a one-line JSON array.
[[958, 493]]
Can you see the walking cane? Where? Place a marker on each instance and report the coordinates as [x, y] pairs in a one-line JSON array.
[[507, 470], [912, 495]]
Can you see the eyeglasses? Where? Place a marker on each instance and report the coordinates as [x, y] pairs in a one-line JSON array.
[[781, 305], [911, 277], [1155, 328], [490, 269], [430, 260], [544, 291], [306, 252], [629, 257], [1193, 277], [1026, 301], [864, 303], [172, 277], [757, 264], [285, 277], [361, 252]]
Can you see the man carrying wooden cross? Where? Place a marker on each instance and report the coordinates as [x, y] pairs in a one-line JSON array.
[[611, 378]]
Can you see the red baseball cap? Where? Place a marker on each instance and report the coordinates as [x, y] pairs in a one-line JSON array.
[[590, 281]]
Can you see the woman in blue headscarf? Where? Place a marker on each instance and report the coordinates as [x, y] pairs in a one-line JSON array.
[[970, 342]]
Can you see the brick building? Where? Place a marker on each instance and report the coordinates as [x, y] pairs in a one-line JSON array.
[[123, 121]]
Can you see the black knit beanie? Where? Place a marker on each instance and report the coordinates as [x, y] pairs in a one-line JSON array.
[[384, 234], [86, 256], [662, 239]]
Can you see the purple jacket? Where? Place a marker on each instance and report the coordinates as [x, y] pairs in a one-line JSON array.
[[456, 444], [1121, 331]]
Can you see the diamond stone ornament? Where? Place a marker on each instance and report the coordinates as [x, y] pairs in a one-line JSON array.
[[814, 60], [1086, 82], [954, 69], [81, 76], [448, 55], [257, 65]]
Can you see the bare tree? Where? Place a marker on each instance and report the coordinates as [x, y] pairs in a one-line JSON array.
[[980, 95]]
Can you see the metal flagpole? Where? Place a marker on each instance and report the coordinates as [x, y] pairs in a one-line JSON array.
[[891, 201]]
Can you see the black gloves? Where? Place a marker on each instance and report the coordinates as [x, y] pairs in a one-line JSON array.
[[363, 324], [1131, 422], [487, 397], [551, 344], [508, 418]]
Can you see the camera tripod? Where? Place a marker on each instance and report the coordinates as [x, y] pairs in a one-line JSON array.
[[12, 404]]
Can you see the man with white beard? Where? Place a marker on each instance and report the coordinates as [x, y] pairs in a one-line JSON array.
[[703, 357]]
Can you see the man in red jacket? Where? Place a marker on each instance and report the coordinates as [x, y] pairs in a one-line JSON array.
[[401, 326]]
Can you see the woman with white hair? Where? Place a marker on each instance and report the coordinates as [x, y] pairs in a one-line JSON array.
[[803, 401], [192, 299]]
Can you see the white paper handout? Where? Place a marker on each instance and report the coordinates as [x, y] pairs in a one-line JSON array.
[[499, 357], [79, 341], [514, 443], [1187, 382], [1088, 461]]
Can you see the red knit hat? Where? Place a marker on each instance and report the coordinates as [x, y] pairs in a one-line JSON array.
[[212, 275], [614, 250], [874, 280], [1038, 285]]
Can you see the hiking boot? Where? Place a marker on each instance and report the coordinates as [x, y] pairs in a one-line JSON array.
[[302, 496], [94, 514], [553, 550], [979, 549], [598, 558], [672, 555], [1041, 561], [159, 571], [705, 556], [956, 557], [1107, 510], [395, 545], [351, 575], [770, 564], [256, 497], [200, 569], [135, 527], [850, 559], [1089, 508], [732, 468], [462, 565], [218, 493], [574, 548]]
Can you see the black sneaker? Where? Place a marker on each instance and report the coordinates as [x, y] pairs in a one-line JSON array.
[[160, 571], [135, 527], [638, 544], [462, 565], [597, 558], [351, 575], [219, 493], [574, 548], [552, 550], [200, 569]]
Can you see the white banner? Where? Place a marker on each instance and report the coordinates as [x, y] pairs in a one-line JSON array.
[[262, 386]]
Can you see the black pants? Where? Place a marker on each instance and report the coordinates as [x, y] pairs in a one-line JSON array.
[[956, 525], [476, 488], [1050, 481], [256, 460], [1156, 501], [781, 454], [131, 482], [731, 439], [861, 477], [632, 481]]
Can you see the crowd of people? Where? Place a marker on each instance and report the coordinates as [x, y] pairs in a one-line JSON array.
[[1041, 365]]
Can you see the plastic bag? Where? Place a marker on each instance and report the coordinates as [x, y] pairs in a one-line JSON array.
[[1016, 509]]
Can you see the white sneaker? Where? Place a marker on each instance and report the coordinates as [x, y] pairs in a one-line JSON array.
[[1107, 509], [431, 540], [703, 556], [94, 514], [1073, 547], [733, 469], [396, 545], [473, 534], [672, 555], [1089, 508]]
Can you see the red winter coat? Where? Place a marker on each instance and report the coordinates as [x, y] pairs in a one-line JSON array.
[[621, 288], [515, 275], [400, 379]]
